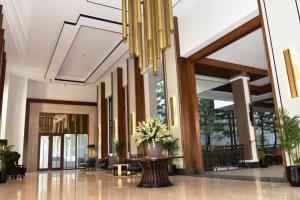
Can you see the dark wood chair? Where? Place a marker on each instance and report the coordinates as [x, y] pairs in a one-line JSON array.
[[13, 168]]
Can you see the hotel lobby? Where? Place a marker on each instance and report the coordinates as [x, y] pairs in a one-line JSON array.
[[149, 99]]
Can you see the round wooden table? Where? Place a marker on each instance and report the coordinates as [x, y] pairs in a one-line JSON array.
[[155, 172]]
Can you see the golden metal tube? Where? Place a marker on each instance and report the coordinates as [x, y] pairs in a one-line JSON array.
[[136, 28], [131, 28], [124, 19], [140, 45], [171, 17], [139, 11], [150, 50], [156, 48], [159, 14], [147, 4], [145, 41], [167, 24]]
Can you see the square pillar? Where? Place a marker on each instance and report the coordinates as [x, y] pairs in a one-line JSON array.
[[245, 130]]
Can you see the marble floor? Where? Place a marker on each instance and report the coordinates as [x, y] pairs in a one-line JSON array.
[[273, 173], [78, 185]]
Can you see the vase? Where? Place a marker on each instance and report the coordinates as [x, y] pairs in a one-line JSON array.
[[154, 149], [293, 175]]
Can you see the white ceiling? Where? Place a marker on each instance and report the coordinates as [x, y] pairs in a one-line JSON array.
[[249, 51], [116, 3], [45, 41]]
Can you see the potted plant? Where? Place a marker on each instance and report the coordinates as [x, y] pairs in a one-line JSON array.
[[172, 148], [5, 156], [261, 153], [290, 140], [118, 149], [153, 134]]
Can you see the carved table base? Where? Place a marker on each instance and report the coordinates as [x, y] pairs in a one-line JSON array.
[[155, 173]]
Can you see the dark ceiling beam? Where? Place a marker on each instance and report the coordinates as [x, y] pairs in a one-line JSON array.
[[227, 70], [227, 39], [233, 66], [254, 90], [211, 71]]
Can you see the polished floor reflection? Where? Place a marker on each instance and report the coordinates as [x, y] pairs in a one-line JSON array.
[[77, 185]]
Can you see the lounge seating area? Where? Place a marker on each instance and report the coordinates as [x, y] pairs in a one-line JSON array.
[[111, 165]]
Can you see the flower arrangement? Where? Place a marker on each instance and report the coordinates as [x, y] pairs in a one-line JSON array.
[[152, 130]]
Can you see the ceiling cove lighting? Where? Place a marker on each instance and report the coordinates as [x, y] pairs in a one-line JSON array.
[[150, 23], [291, 72]]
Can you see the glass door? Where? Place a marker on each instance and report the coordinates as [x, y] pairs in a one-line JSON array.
[[50, 152], [44, 145], [70, 151], [82, 149], [65, 151], [56, 152]]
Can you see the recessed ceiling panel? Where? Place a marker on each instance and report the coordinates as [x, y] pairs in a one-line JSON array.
[[116, 3], [249, 51], [89, 49]]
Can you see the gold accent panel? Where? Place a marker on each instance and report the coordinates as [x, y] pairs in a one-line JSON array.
[[292, 73], [172, 111], [124, 19]]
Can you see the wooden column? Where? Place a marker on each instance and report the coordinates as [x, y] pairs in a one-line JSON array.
[[242, 116], [121, 112], [2, 61], [104, 122], [139, 98], [190, 121], [139, 93]]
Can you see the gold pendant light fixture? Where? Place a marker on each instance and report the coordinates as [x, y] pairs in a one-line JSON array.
[[150, 23]]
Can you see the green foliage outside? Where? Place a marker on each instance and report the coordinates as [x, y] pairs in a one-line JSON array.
[[290, 138], [214, 121], [161, 101]]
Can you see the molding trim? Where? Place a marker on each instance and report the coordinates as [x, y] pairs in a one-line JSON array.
[[75, 24], [15, 26], [52, 101], [104, 5]]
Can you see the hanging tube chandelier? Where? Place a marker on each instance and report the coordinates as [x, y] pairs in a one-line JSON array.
[[150, 23]]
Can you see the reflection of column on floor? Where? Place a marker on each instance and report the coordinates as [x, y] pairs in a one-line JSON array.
[[245, 130]]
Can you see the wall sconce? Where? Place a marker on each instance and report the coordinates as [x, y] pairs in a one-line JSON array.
[[116, 136], [132, 123], [172, 110], [291, 72]]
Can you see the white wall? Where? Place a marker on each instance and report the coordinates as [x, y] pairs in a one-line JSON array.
[[40, 90], [285, 33], [172, 90], [4, 106], [15, 115], [201, 22], [107, 79], [282, 25]]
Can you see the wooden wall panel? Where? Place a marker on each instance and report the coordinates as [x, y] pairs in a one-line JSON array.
[[104, 122], [139, 98], [121, 112], [139, 93], [242, 117], [190, 121]]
